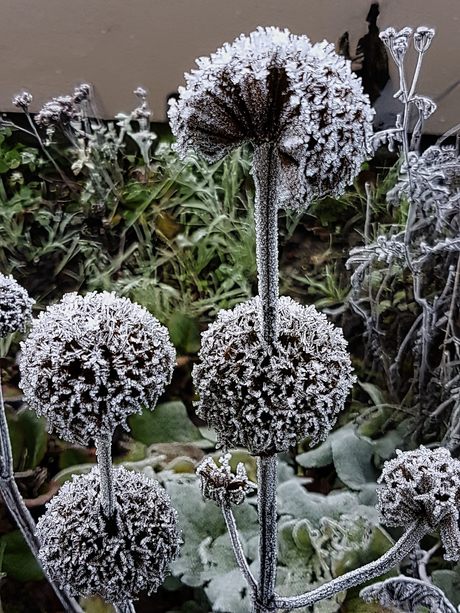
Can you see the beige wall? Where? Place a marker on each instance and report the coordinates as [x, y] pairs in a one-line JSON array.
[[48, 46]]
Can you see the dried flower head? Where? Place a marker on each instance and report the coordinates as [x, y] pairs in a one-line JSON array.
[[397, 42], [218, 483], [89, 362], [88, 555], [23, 100], [61, 109], [15, 306], [82, 93], [422, 38], [267, 397], [277, 87], [423, 485]]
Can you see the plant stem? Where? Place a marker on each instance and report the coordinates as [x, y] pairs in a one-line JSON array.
[[265, 172], [266, 505], [406, 543], [237, 548], [124, 607], [104, 461], [15, 504]]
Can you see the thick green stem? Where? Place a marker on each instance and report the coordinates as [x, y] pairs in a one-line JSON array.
[[265, 172]]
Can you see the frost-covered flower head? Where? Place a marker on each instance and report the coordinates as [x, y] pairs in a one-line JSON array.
[[423, 485], [277, 87], [90, 362], [15, 306], [422, 38], [116, 560], [23, 100], [61, 109], [266, 397], [397, 42], [218, 483]]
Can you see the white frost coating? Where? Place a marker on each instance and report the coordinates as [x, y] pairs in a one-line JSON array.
[[423, 485], [90, 362], [116, 559], [15, 306], [268, 397], [273, 86], [218, 483]]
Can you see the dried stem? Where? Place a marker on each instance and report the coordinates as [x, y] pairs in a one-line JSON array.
[[406, 543], [237, 548], [266, 505], [265, 171], [15, 504], [104, 460]]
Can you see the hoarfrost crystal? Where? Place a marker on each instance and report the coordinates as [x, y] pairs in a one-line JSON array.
[[218, 483], [273, 86], [423, 485], [268, 397], [89, 362], [88, 555], [15, 306]]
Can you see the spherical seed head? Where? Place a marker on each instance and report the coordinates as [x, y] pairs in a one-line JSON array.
[[423, 485], [275, 86], [15, 306], [89, 362], [88, 555], [267, 398]]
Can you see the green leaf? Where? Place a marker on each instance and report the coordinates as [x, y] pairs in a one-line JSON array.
[[184, 333], [18, 561], [95, 604], [353, 460], [166, 423], [35, 437], [449, 582]]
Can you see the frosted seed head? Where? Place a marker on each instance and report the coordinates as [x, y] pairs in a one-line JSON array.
[[61, 109], [90, 362], [423, 485], [277, 87], [422, 38], [218, 483], [87, 555], [266, 398], [15, 306], [23, 100]]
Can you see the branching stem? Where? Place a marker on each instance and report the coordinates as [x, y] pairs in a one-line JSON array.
[[237, 548], [406, 543]]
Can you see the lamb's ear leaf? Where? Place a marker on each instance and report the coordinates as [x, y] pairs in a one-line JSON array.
[[449, 582], [95, 604], [352, 457], [229, 592], [18, 561], [166, 423]]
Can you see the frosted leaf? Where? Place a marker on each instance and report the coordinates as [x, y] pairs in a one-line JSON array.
[[409, 595], [423, 485], [88, 555], [268, 397], [90, 362], [218, 483], [15, 306], [273, 86]]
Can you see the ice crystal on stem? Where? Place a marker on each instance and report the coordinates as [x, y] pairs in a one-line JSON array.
[[268, 397], [90, 362], [88, 555], [423, 484], [15, 306], [218, 483]]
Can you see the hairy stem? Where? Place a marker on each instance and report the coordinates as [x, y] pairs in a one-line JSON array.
[[266, 505], [265, 171], [104, 460], [406, 543], [237, 548]]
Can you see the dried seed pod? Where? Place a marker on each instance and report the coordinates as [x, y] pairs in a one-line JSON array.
[[88, 555], [267, 397], [273, 86], [90, 362], [218, 483], [15, 306], [423, 485]]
